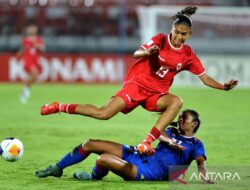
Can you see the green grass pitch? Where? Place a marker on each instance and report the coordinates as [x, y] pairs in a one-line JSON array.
[[225, 131]]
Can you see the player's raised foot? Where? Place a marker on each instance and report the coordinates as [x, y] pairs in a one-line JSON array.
[[145, 148], [54, 171], [82, 175], [48, 109]]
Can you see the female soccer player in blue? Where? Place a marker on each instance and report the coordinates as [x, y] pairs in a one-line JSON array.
[[174, 149]]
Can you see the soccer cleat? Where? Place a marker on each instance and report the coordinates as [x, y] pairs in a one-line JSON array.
[[82, 175], [54, 171], [48, 109], [23, 99], [26, 92], [145, 148]]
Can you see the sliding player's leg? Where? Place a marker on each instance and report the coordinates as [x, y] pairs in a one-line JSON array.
[[80, 153], [113, 106], [109, 162]]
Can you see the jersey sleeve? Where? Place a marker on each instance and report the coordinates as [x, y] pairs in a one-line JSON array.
[[199, 150], [156, 40], [195, 65], [169, 132]]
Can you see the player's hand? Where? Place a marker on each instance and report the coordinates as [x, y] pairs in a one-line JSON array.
[[152, 50], [230, 84], [175, 145], [145, 148]]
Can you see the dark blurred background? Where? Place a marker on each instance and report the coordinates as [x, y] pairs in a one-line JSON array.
[[106, 26]]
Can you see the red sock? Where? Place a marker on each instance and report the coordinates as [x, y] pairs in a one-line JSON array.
[[68, 108], [82, 151], [153, 135]]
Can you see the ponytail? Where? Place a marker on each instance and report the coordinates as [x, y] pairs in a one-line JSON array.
[[184, 16], [174, 124]]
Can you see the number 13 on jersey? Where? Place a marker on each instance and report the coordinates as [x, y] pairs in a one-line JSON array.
[[162, 71]]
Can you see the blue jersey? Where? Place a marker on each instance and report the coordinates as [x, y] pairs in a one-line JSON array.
[[168, 156], [156, 167]]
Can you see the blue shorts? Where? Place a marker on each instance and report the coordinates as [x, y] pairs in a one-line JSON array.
[[148, 168]]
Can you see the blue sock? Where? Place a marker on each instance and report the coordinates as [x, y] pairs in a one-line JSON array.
[[98, 172], [77, 155]]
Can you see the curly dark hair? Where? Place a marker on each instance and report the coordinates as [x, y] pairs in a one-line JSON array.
[[196, 118]]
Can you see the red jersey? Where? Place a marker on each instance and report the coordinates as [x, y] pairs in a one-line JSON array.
[[156, 72], [30, 52]]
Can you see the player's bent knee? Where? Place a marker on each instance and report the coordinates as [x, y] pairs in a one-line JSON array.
[[89, 143], [105, 115], [103, 160], [180, 101], [177, 102]]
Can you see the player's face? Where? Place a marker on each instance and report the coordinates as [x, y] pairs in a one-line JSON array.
[[186, 123], [32, 30], [180, 34]]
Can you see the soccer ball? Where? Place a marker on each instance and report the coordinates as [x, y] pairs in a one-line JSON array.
[[11, 149]]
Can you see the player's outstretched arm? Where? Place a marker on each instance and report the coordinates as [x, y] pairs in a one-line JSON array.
[[165, 138], [142, 52], [209, 81], [203, 171]]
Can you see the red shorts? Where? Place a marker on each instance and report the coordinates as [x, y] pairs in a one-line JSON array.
[[29, 67], [135, 95]]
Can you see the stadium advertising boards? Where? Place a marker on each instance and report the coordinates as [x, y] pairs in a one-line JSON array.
[[109, 68]]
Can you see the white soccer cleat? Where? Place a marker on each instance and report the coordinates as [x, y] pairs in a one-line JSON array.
[[23, 99]]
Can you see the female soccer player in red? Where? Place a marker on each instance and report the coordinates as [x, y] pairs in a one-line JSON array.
[[32, 46], [148, 81]]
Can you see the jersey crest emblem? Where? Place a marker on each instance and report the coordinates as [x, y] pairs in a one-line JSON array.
[[142, 177], [178, 66]]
